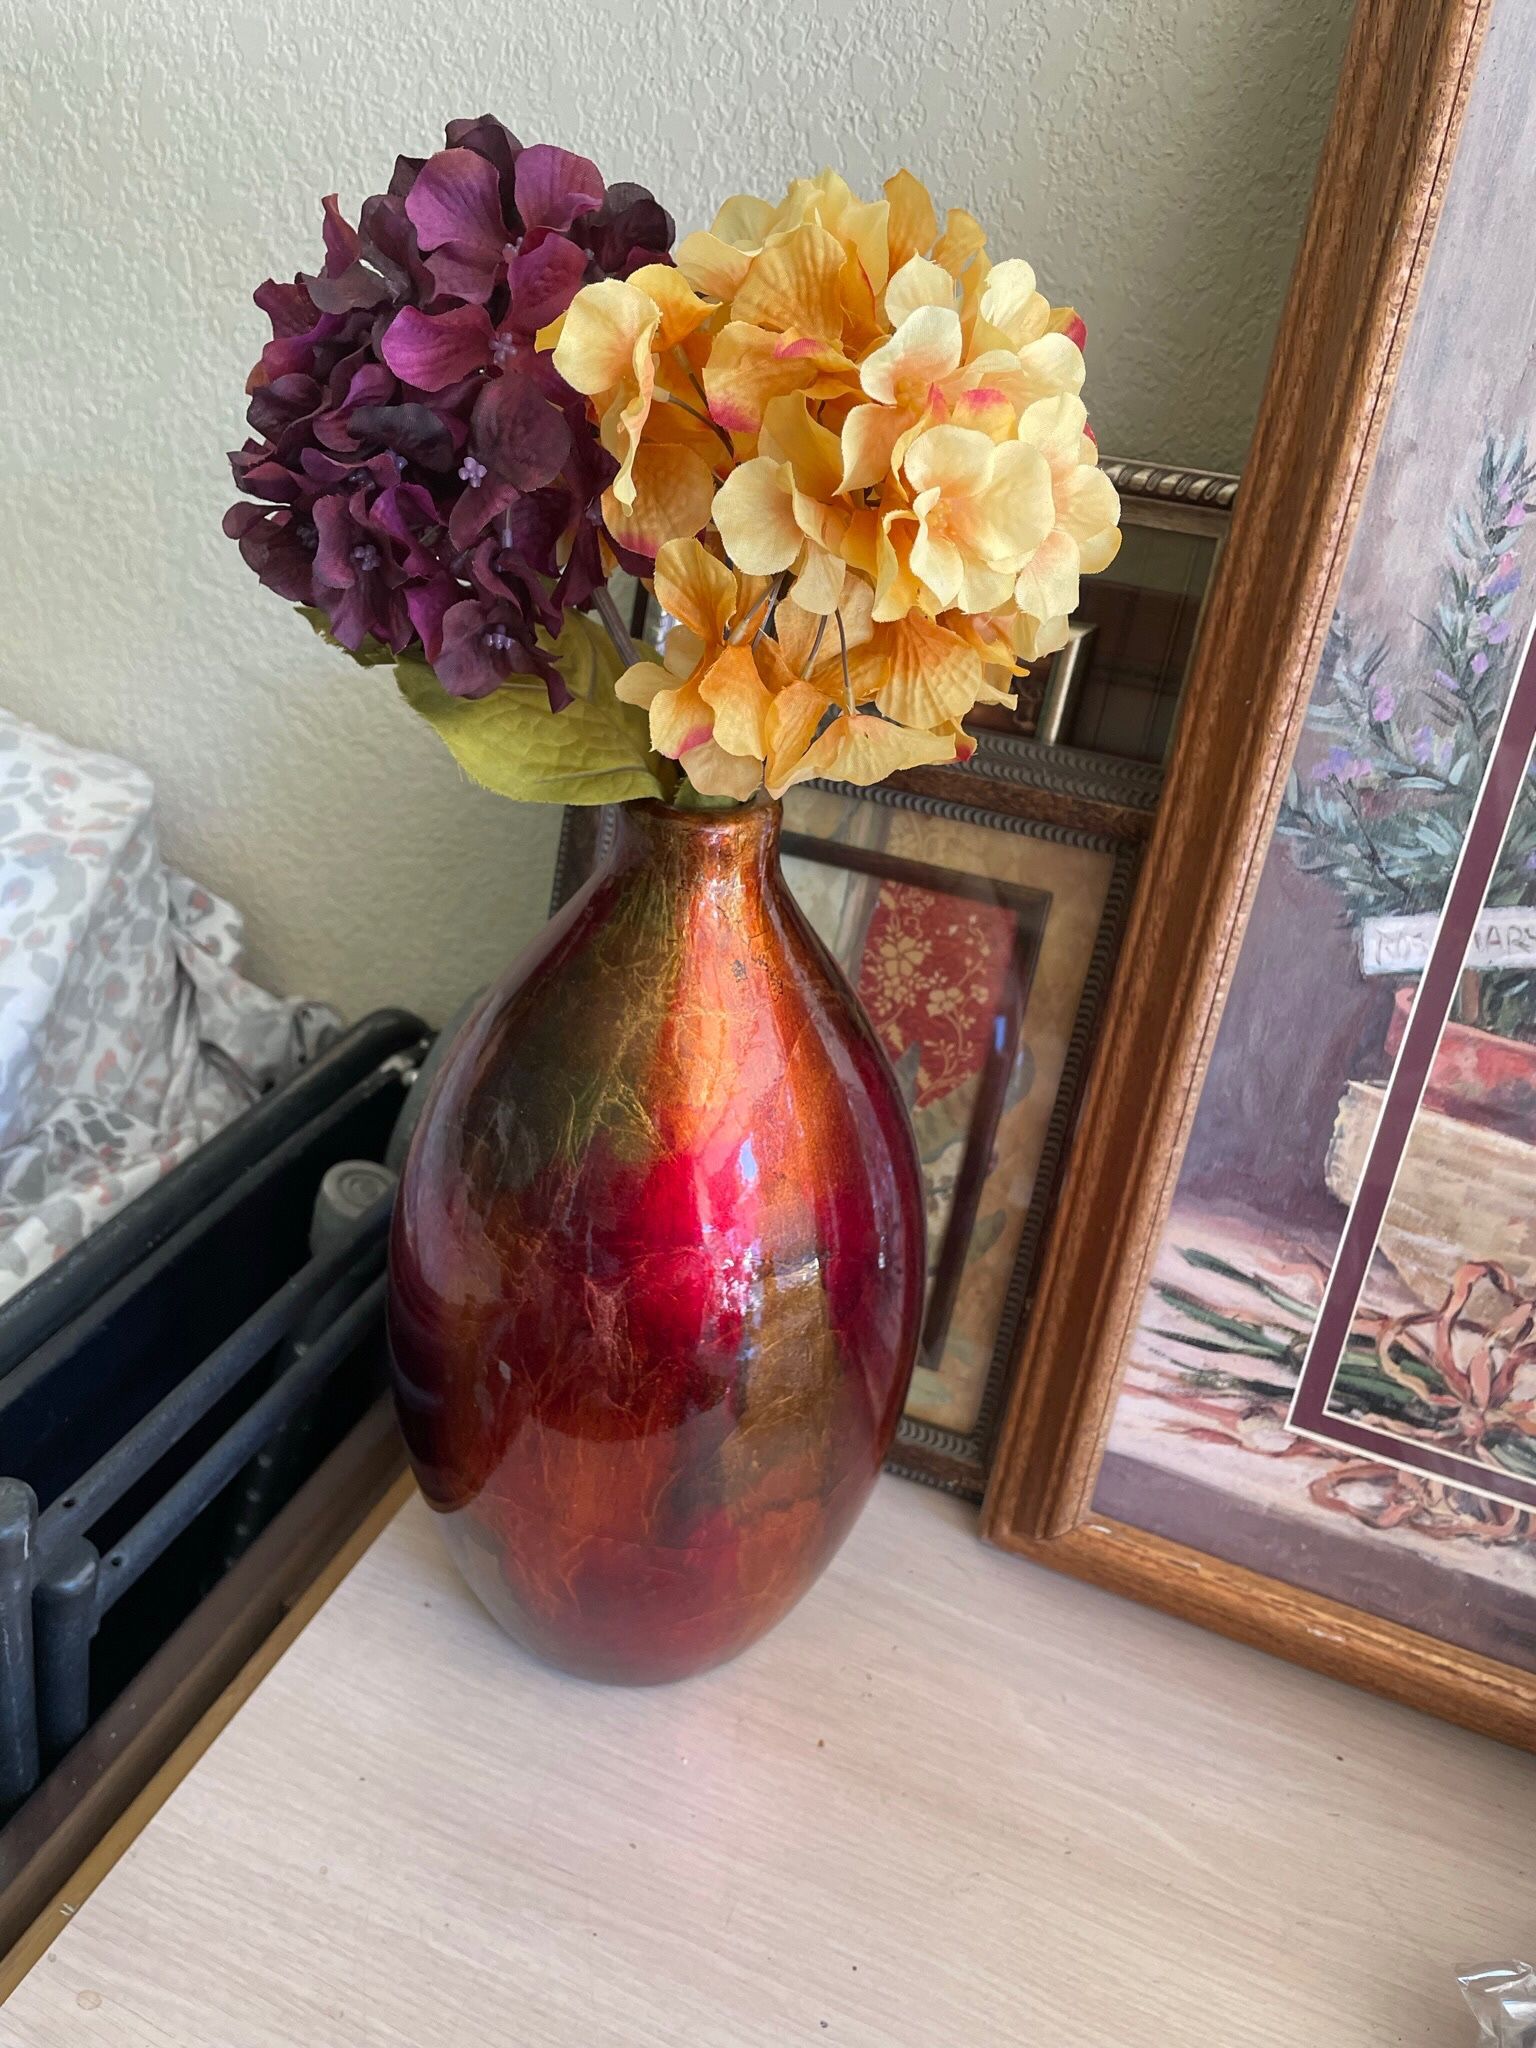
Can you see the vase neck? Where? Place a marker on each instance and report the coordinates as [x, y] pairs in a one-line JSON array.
[[689, 850]]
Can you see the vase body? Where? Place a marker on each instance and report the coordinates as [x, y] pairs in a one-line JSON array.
[[657, 1265]]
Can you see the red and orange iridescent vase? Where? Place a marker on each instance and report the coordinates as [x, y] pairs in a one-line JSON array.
[[657, 1265]]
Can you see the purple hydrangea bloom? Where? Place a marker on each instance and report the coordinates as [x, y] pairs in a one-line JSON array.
[[421, 474]]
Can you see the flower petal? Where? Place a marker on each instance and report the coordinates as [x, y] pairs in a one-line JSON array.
[[680, 306], [1039, 637], [870, 433], [696, 588], [755, 517], [553, 186], [733, 689], [640, 683], [542, 283], [924, 349], [819, 586], [789, 434], [1051, 365], [935, 561], [862, 749], [1047, 584], [680, 719], [896, 586], [1087, 503], [674, 489], [713, 265], [1055, 427], [744, 220], [918, 283], [932, 678], [987, 410], [1011, 304], [747, 367], [606, 325], [792, 285], [963, 238], [788, 729], [714, 772], [913, 224], [1098, 552], [954, 460], [455, 207], [521, 438], [434, 350]]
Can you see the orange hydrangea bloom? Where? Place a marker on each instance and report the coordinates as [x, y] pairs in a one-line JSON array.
[[856, 452]]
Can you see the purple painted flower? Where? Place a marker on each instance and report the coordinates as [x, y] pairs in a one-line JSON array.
[[1383, 702], [1479, 663], [423, 475], [1504, 578], [1341, 766]]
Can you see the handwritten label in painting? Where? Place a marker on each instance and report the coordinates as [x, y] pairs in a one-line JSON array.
[[1400, 945]]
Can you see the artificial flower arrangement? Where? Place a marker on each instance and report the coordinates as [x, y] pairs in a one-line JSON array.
[[846, 451]]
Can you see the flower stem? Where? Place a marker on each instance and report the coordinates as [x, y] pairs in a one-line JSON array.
[[738, 632], [705, 418], [842, 648], [810, 659], [613, 625]]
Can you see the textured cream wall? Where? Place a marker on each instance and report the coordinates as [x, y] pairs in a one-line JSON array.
[[159, 157]]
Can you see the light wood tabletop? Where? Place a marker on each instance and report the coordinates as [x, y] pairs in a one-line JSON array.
[[953, 1800]]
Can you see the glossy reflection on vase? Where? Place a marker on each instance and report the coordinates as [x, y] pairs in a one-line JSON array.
[[657, 1264]]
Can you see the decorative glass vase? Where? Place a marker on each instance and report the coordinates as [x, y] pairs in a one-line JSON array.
[[657, 1268]]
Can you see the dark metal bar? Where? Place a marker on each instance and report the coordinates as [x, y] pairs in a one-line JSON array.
[[18, 1711], [60, 1348], [125, 1564], [133, 1455], [348, 1191], [350, 1069], [63, 1623]]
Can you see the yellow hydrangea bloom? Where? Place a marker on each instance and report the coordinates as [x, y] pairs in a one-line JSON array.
[[856, 451]]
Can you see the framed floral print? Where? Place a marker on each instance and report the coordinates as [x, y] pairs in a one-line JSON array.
[[1283, 1379]]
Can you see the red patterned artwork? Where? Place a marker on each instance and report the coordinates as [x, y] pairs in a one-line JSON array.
[[932, 976]]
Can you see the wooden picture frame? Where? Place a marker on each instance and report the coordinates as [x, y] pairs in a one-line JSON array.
[[1032, 814], [1407, 72]]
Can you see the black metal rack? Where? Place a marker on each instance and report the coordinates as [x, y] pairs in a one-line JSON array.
[[169, 1385]]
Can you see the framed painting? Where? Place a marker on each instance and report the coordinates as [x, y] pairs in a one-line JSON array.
[[1282, 1378], [978, 913]]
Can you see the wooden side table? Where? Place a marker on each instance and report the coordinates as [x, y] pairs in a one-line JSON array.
[[954, 1799]]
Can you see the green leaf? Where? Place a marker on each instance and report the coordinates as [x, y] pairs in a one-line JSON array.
[[1514, 1451], [1209, 1262], [595, 751]]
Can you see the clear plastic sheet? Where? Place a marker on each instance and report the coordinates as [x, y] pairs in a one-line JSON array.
[[1503, 1998]]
